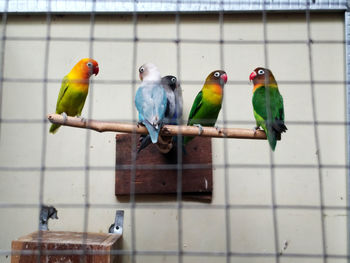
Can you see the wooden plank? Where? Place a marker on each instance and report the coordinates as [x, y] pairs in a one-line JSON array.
[[56, 241], [156, 178]]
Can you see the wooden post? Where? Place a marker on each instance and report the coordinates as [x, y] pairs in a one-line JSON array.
[[167, 130], [162, 175]]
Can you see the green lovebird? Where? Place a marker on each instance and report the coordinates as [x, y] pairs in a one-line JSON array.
[[74, 89], [267, 105], [207, 104]]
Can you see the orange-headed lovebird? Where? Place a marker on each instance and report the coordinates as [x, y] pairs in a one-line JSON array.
[[207, 104], [74, 89], [267, 105]]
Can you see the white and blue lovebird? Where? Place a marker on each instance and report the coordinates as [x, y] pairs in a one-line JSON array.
[[151, 100], [173, 113]]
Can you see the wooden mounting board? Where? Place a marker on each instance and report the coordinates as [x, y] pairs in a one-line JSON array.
[[61, 241], [197, 182]]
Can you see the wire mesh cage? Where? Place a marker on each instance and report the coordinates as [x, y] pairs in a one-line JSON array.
[[290, 205]]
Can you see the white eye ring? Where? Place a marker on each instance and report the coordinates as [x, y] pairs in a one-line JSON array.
[[261, 72], [217, 74], [89, 64], [173, 80], [141, 69]]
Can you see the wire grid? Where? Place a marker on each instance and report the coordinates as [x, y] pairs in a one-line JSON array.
[[179, 205]]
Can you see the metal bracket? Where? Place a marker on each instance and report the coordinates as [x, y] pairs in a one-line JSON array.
[[117, 227], [46, 212]]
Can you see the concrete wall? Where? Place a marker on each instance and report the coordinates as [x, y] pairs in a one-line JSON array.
[[296, 180]]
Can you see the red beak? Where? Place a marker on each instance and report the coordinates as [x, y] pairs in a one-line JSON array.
[[252, 76], [96, 70], [224, 77]]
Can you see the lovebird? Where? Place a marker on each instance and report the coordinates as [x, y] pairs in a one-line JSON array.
[[207, 104], [267, 105], [74, 89], [173, 112], [151, 100]]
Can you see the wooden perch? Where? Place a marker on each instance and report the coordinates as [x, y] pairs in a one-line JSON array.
[[167, 130]]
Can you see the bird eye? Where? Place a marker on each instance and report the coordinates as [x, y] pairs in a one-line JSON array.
[[217, 74], [173, 80], [261, 72], [141, 69], [89, 64]]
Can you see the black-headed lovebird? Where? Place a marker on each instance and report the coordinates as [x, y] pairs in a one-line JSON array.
[[268, 105]]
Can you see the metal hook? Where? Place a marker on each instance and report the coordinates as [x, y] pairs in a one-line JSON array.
[[117, 227]]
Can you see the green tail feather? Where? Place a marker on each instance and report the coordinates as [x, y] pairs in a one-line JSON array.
[[272, 138], [54, 128], [272, 141]]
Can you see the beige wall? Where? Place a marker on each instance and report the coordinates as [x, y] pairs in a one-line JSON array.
[[251, 230]]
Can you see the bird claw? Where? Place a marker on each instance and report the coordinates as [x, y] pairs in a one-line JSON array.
[[218, 129], [255, 129], [82, 119], [199, 127], [139, 123], [65, 117]]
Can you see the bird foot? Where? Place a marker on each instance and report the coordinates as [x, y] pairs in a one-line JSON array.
[[219, 129], [139, 123], [65, 117], [255, 129], [82, 119], [199, 127]]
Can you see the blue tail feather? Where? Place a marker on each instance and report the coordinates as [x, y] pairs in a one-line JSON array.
[[153, 132]]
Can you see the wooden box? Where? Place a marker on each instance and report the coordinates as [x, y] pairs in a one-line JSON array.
[[64, 247]]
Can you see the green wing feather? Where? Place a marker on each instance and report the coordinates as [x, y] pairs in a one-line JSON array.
[[71, 99], [64, 87], [202, 112], [63, 90], [274, 127], [195, 107], [197, 104]]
